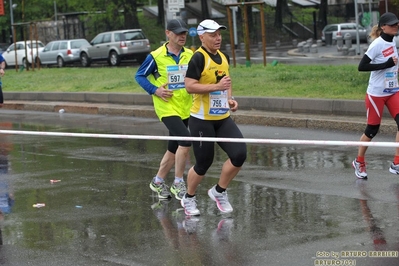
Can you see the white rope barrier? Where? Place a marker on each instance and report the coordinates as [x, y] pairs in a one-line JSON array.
[[245, 140]]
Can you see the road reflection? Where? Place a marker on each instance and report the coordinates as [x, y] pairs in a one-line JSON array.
[[289, 201], [385, 253]]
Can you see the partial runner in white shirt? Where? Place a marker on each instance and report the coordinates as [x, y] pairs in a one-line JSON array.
[[381, 59]]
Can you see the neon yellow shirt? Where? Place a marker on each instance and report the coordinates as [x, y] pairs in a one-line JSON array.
[[180, 103]]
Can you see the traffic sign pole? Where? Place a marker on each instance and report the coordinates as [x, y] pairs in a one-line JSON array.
[[192, 32]]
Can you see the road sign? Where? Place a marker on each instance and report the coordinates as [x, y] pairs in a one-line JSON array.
[[173, 9], [192, 31], [2, 12], [192, 21]]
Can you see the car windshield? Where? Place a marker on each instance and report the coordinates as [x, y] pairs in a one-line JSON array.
[[78, 44], [133, 35], [331, 28], [33, 45]]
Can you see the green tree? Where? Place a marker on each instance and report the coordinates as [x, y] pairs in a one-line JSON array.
[[109, 15], [130, 14]]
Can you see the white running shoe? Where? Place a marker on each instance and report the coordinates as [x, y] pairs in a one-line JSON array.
[[161, 189], [394, 169], [360, 169], [190, 205], [221, 199], [179, 190]]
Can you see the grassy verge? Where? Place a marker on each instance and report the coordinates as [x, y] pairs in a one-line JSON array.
[[315, 81]]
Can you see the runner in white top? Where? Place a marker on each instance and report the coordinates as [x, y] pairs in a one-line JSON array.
[[381, 58], [382, 82]]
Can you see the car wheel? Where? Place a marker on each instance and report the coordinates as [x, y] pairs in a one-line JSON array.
[[24, 62], [85, 60], [114, 59], [60, 62]]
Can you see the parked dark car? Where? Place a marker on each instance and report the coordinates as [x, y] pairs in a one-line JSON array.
[[62, 52], [115, 46]]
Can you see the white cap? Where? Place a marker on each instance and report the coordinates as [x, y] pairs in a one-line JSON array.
[[209, 25]]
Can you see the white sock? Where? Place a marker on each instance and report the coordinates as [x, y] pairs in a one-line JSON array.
[[178, 179], [157, 179]]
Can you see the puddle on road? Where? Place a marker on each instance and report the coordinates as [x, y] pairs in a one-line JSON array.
[[102, 212]]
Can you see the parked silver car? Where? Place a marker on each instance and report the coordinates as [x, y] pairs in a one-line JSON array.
[[114, 46], [342, 28], [24, 51], [62, 52]]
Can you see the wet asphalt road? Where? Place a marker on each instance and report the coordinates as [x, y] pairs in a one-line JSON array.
[[293, 204]]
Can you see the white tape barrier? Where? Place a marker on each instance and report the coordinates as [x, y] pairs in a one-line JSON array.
[[245, 140]]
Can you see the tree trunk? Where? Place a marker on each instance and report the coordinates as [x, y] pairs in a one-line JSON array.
[[323, 10], [130, 14], [281, 10], [161, 13], [205, 10]]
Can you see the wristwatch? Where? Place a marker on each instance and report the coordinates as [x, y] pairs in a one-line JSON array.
[[232, 98]]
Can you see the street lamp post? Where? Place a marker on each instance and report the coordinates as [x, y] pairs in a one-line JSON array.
[[12, 6]]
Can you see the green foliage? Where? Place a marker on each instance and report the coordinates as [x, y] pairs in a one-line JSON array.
[[394, 2], [331, 82], [312, 81], [154, 32], [304, 15], [107, 14]]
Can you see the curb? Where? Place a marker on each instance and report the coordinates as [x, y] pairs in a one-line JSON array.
[[270, 104], [338, 115], [244, 117]]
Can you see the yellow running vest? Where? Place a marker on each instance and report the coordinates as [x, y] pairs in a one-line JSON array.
[[214, 105], [180, 103]]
